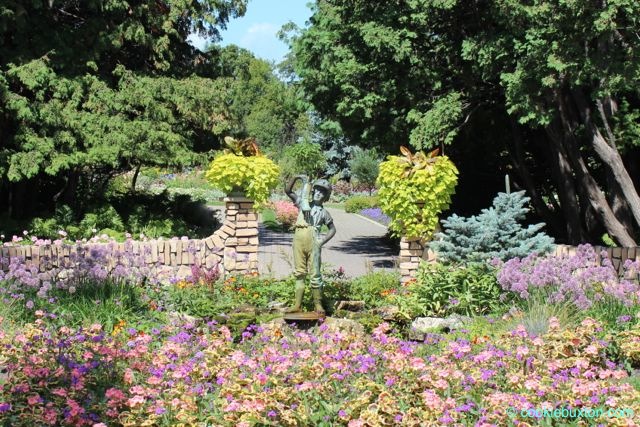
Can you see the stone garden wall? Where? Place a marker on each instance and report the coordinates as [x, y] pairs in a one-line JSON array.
[[233, 248], [412, 251]]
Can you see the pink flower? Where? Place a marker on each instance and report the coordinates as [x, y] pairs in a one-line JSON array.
[[136, 400], [231, 407], [33, 400], [128, 376], [591, 350], [522, 351], [153, 380], [60, 392], [115, 394]]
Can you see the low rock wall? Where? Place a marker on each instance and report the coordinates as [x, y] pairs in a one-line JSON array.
[[412, 251], [233, 249]]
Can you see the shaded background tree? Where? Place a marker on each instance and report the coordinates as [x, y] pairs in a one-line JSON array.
[[88, 89], [547, 89]]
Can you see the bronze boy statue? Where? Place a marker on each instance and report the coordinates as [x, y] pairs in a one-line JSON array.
[[307, 240]]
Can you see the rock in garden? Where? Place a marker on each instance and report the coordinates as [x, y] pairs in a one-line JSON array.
[[246, 309], [423, 325], [276, 306], [344, 326], [388, 313], [350, 305], [175, 317]]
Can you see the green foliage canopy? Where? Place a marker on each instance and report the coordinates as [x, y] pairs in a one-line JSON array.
[[365, 165], [552, 86], [303, 158], [91, 89]]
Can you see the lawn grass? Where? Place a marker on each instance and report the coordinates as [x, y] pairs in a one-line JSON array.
[[268, 217]]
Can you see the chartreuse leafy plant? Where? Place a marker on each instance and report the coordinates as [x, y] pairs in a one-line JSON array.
[[256, 175], [414, 190]]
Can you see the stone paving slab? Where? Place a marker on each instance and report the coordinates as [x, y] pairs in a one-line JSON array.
[[358, 247]]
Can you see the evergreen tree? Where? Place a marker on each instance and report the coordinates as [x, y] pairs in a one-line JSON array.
[[365, 166], [496, 232]]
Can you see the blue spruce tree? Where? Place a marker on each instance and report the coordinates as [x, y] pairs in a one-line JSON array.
[[494, 233]]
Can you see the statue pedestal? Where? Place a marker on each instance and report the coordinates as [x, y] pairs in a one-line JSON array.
[[303, 320], [303, 315]]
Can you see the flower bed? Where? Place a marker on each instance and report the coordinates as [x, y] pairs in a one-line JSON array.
[[100, 347], [376, 214], [194, 373]]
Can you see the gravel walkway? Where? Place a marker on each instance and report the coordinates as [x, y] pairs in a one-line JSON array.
[[358, 247]]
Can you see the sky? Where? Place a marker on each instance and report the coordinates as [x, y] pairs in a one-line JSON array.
[[256, 30]]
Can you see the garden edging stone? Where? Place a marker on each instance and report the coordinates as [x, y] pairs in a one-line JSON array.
[[423, 325]]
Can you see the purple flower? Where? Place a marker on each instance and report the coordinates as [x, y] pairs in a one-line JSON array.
[[376, 215], [624, 319], [4, 407]]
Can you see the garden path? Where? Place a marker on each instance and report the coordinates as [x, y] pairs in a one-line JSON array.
[[358, 247]]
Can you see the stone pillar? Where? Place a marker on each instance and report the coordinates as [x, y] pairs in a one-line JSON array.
[[412, 252], [239, 233]]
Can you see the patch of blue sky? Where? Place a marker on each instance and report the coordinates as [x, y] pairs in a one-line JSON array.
[[257, 30]]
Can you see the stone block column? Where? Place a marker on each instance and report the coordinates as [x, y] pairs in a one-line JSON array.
[[239, 234], [412, 251]]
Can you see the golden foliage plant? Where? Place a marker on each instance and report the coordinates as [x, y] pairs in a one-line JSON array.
[[414, 190], [256, 175]]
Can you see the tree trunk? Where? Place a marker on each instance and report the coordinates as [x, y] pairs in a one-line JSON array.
[[563, 176], [588, 184], [518, 160], [135, 178], [619, 203], [608, 153]]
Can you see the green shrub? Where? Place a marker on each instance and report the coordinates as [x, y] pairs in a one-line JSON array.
[[303, 158], [210, 300], [107, 302], [469, 290], [336, 288], [372, 288], [364, 166], [357, 203]]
